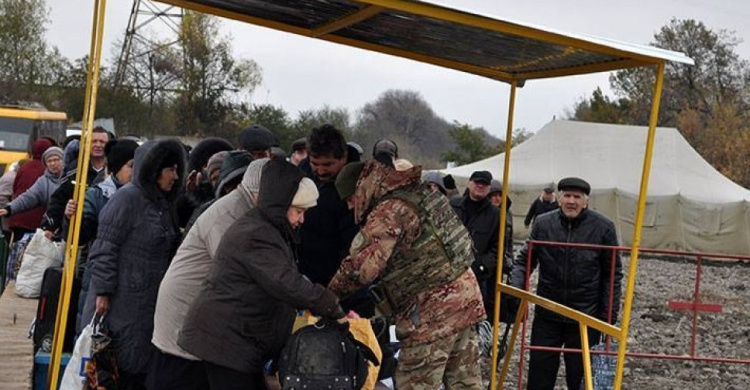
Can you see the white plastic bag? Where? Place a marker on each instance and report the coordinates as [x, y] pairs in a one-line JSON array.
[[75, 372], [40, 254]]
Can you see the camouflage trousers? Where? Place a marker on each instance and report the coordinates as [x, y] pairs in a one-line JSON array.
[[452, 361]]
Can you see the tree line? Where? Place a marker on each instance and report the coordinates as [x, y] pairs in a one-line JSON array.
[[708, 102]]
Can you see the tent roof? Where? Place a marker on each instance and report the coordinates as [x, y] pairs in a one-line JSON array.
[[498, 49], [611, 157]]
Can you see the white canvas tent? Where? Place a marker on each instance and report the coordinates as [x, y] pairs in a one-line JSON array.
[[690, 205]]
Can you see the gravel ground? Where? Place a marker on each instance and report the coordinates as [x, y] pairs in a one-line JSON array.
[[655, 328]]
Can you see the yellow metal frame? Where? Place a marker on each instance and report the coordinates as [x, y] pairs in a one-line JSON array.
[[628, 60], [22, 113], [71, 247], [584, 321]]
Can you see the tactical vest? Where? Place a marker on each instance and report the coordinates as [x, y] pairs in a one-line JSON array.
[[442, 253]]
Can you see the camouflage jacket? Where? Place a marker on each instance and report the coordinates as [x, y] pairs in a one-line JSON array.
[[387, 227]]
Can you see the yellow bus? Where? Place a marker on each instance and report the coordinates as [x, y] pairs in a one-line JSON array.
[[20, 126]]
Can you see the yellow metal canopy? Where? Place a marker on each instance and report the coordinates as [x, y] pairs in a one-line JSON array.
[[497, 49]]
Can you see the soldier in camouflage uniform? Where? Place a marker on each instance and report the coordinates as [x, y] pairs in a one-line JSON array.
[[435, 324]]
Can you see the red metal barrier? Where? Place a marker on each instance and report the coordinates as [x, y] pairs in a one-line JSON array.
[[696, 306]]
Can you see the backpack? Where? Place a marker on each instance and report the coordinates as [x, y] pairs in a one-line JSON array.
[[324, 356]]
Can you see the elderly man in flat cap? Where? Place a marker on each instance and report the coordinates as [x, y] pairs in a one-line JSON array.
[[577, 278]]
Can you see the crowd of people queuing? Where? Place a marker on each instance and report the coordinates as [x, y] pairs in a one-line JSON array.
[[200, 259]]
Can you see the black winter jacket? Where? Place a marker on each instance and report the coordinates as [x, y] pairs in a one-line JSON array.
[[328, 230], [577, 278], [245, 312], [484, 228]]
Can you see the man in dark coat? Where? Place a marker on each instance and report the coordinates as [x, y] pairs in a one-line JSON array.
[[543, 204], [329, 228], [135, 241], [245, 313], [577, 278], [482, 219]]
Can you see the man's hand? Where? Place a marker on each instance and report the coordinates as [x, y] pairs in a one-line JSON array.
[[102, 304], [49, 234], [70, 208], [526, 226], [508, 308], [3, 212]]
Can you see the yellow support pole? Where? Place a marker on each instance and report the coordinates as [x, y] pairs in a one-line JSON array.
[[71, 248], [638, 226], [586, 356], [514, 336], [501, 246]]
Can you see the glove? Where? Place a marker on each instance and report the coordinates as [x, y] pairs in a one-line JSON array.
[[509, 308]]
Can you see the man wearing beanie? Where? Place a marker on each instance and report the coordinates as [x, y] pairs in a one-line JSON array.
[[482, 220], [184, 278], [412, 241], [254, 280], [53, 219], [579, 278], [258, 141]]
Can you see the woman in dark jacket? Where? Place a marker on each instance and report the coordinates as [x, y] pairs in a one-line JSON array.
[[244, 315], [135, 240]]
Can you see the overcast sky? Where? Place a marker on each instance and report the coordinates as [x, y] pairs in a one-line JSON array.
[[301, 73]]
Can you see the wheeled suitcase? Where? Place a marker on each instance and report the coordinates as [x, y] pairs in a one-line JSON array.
[[46, 311]]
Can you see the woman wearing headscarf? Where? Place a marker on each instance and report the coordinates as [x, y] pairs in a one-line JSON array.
[[244, 315], [135, 240]]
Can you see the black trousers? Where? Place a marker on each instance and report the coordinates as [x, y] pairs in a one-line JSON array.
[[169, 372], [543, 365], [224, 378]]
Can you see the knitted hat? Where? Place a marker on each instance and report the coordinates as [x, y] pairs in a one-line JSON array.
[[214, 163], [256, 138], [202, 152], [495, 186], [307, 194], [234, 165], [346, 181], [71, 154], [52, 151], [253, 173], [118, 153]]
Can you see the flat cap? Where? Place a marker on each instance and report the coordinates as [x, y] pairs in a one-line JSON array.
[[346, 181], [574, 183]]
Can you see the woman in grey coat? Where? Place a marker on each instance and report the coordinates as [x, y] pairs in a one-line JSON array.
[[135, 240], [44, 186]]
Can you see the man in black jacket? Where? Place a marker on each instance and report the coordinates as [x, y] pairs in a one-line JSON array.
[[543, 204], [577, 278], [329, 228], [482, 220]]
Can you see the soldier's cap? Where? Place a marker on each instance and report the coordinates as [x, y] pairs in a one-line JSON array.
[[574, 183], [346, 181], [548, 190], [481, 177]]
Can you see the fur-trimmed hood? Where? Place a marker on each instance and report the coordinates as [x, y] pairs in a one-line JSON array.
[[149, 157]]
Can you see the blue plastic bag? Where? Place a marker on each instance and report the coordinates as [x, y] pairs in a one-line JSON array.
[[602, 367]]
